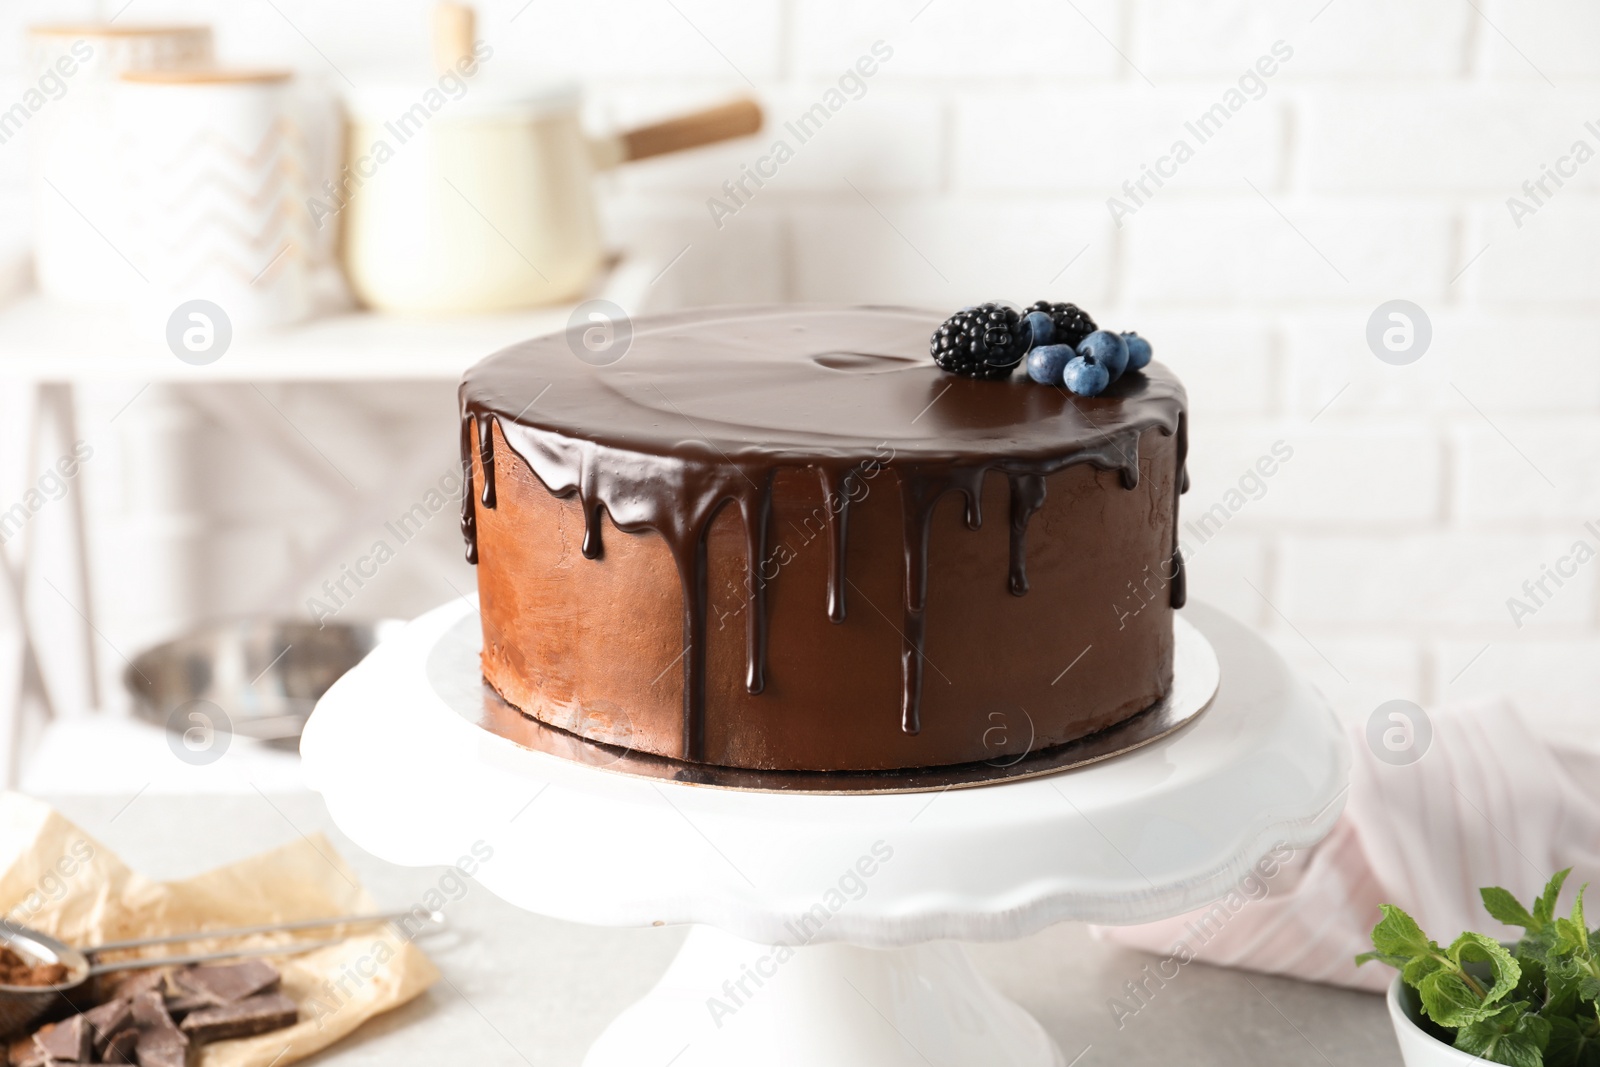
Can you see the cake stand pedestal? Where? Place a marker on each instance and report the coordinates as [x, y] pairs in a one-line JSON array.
[[827, 927]]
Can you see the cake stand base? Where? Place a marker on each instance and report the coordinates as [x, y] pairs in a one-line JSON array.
[[823, 926], [727, 1002]]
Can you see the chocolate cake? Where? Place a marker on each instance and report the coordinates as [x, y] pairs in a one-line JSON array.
[[783, 539]]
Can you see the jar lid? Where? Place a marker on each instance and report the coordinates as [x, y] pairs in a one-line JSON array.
[[107, 29], [204, 76]]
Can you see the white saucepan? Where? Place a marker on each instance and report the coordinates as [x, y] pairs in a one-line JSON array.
[[484, 202]]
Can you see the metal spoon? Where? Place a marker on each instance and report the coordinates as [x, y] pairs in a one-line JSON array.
[[21, 1005]]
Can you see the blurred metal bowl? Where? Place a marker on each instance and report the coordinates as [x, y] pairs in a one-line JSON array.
[[264, 674]]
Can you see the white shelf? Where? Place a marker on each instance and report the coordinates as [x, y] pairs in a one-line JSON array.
[[41, 340]]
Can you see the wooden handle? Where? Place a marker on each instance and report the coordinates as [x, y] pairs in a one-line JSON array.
[[738, 119], [454, 26]]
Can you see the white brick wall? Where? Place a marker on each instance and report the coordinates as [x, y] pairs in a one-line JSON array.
[[1552, 259], [1216, 251], [1446, 580], [1368, 39], [1476, 139], [1331, 480], [1553, 39], [1375, 165], [999, 40], [1127, 134], [1543, 469], [950, 253]]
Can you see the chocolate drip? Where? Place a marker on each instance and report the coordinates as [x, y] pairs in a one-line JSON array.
[[1180, 574], [918, 496], [838, 508], [663, 441], [486, 457], [592, 547], [1027, 497], [691, 560], [469, 514], [1130, 465], [920, 490], [1180, 580], [756, 514]]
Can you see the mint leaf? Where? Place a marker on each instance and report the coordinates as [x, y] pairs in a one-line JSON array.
[[1419, 968], [1562, 980], [1532, 985], [1544, 909], [1571, 939], [1538, 943], [1397, 934], [1449, 1001], [1535, 1006], [1571, 1045], [1508, 1036], [1480, 948], [1501, 905]]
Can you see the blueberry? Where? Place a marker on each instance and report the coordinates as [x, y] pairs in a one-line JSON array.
[[1138, 351], [1041, 326], [1086, 376], [1046, 361], [1106, 348]]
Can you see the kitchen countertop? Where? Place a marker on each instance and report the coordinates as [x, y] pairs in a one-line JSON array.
[[524, 989]]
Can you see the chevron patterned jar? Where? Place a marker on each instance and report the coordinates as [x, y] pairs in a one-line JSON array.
[[216, 183]]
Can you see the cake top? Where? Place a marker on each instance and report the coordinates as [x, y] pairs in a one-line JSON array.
[[762, 386]]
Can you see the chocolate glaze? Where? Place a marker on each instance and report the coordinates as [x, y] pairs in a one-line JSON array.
[[838, 520], [706, 406], [469, 514], [1027, 497]]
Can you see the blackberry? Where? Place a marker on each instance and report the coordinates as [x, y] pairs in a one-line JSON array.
[[1073, 324], [987, 341]]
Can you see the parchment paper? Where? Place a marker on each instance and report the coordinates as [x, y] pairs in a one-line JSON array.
[[59, 880]]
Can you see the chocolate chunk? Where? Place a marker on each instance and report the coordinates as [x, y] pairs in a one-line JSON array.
[[108, 1019], [162, 1048], [119, 1048], [160, 1043], [68, 1040], [150, 1012], [231, 982], [140, 982], [182, 1005], [255, 1015]]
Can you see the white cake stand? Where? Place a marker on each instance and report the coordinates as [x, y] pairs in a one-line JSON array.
[[826, 925]]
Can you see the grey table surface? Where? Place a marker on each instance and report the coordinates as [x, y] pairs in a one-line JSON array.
[[525, 989]]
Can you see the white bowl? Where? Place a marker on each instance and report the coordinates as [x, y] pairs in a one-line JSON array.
[[1418, 1048]]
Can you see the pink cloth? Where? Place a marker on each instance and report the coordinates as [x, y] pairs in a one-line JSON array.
[[1489, 803]]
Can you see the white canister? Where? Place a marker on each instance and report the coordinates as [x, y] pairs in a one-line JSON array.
[[470, 201], [79, 236], [215, 193]]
